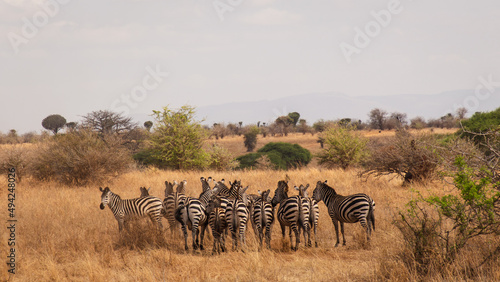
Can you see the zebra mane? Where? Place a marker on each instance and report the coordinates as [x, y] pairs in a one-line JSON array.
[[181, 187], [323, 184], [169, 188]]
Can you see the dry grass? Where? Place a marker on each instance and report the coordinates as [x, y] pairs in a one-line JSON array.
[[62, 234]]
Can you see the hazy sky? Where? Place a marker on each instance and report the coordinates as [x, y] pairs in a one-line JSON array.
[[72, 57]]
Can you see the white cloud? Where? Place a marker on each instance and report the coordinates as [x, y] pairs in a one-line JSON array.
[[272, 16]]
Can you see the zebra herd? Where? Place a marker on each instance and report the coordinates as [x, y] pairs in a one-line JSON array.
[[228, 210]]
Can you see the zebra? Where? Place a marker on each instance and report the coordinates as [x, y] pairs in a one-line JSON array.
[[124, 210], [217, 221], [172, 201], [144, 191], [346, 209], [237, 216], [192, 215], [313, 213], [263, 217], [290, 213]]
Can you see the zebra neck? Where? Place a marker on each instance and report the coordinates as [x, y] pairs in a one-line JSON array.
[[114, 201]]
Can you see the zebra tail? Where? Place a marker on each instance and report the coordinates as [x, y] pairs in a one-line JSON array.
[[178, 214]]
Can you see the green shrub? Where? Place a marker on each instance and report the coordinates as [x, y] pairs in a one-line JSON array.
[[343, 147], [177, 139], [220, 158], [281, 155]]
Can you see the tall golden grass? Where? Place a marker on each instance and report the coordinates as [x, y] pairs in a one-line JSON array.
[[62, 235]]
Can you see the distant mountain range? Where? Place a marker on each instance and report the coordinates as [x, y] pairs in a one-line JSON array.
[[331, 106]]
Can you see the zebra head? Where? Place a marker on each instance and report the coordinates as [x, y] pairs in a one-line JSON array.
[[181, 187], [169, 188], [281, 193], [319, 191], [144, 191], [302, 190], [212, 204], [104, 197], [265, 195], [205, 183]]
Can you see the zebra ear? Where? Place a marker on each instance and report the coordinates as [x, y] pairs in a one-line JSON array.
[[222, 180], [244, 190], [325, 181], [259, 192], [100, 189], [296, 188], [307, 186], [202, 178], [209, 179], [149, 189]]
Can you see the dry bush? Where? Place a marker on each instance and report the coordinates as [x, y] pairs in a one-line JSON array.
[[17, 156], [220, 159], [412, 157], [80, 157]]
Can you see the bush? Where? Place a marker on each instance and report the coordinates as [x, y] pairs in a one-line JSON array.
[[80, 157], [17, 156], [250, 138], [344, 147], [281, 155], [177, 139], [437, 228], [220, 158], [413, 157]]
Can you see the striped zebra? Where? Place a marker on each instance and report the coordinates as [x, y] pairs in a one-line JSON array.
[[217, 221], [237, 216], [173, 199], [346, 209], [192, 215], [313, 213], [263, 217], [124, 210], [290, 213]]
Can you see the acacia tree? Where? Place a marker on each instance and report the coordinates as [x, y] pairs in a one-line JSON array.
[[176, 141], [107, 122], [54, 123], [284, 123], [377, 118], [295, 118]]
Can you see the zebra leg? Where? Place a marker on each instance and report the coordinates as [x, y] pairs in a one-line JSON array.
[[295, 230], [315, 237], [343, 235], [223, 242], [268, 236], [184, 231], [335, 224], [195, 237], [120, 225], [202, 235], [283, 232]]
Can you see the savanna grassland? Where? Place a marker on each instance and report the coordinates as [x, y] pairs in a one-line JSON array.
[[62, 234]]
